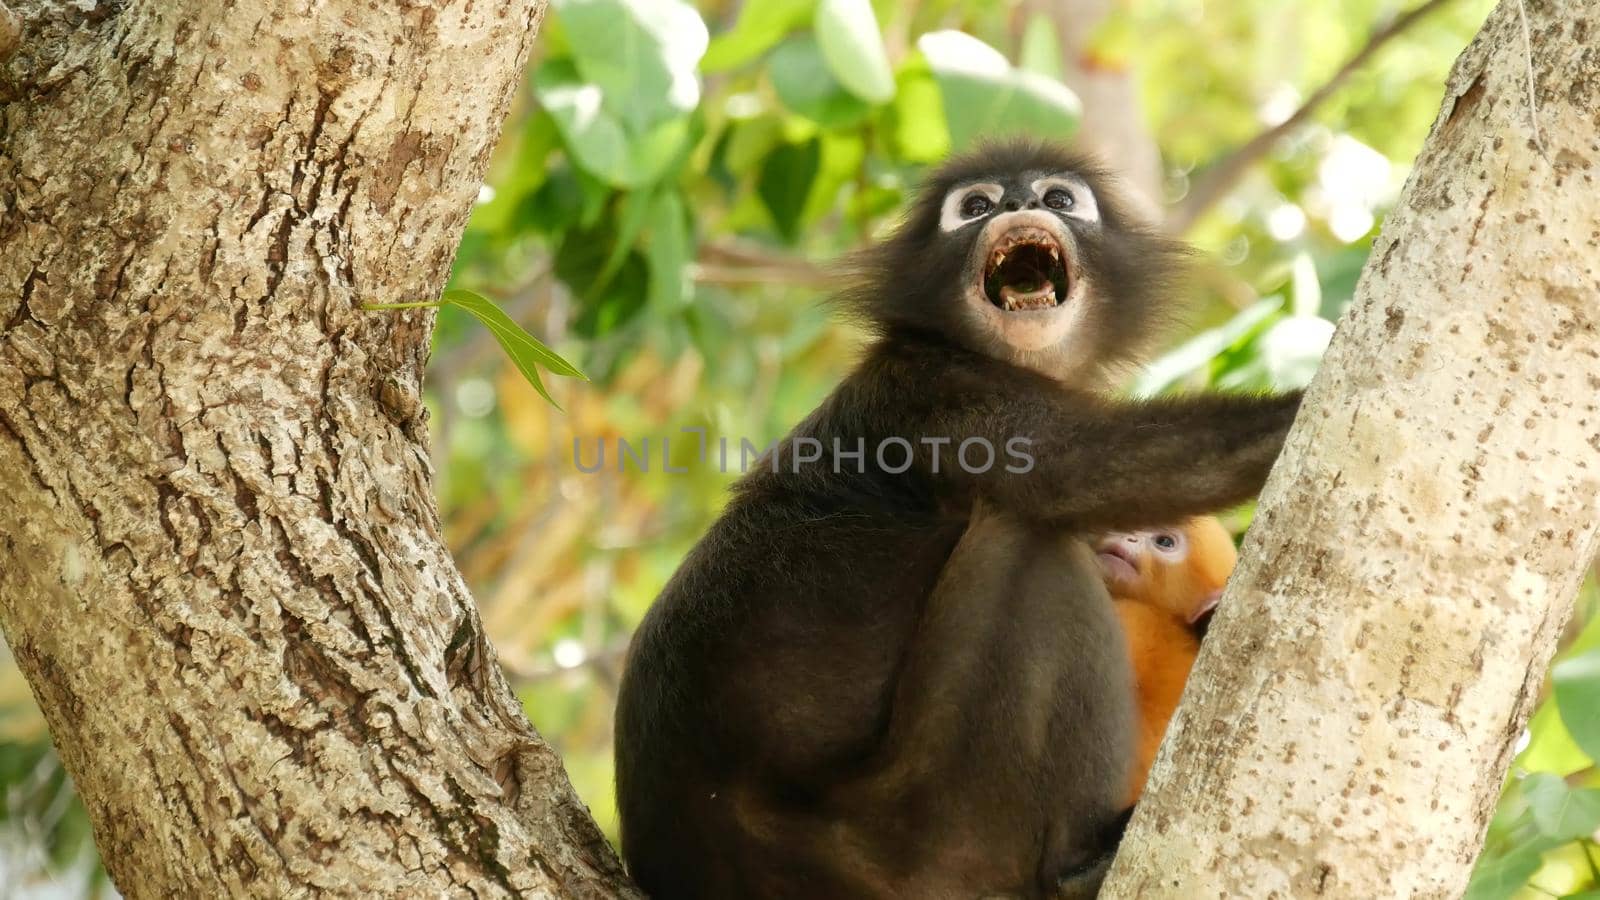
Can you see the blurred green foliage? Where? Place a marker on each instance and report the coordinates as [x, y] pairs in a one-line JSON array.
[[662, 209]]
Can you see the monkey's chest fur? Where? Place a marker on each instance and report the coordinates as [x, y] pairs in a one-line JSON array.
[[849, 703]]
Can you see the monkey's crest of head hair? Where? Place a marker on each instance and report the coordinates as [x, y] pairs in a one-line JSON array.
[[935, 276]]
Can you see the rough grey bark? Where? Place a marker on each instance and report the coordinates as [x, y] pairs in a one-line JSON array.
[[220, 563], [1349, 724]]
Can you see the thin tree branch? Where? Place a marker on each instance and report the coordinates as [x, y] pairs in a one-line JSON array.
[[1220, 178], [740, 263], [739, 276]]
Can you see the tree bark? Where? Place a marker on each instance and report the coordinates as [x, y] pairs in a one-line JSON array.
[[1349, 724], [221, 566]]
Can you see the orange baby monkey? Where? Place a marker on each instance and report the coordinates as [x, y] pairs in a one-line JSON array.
[[1164, 584]]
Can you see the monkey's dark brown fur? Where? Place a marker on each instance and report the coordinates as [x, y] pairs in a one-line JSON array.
[[869, 684]]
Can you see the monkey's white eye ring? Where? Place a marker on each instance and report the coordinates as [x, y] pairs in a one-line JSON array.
[[1067, 194], [1169, 544], [976, 205], [967, 203]]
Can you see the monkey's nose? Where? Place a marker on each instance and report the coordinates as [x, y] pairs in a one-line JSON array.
[[1013, 205]]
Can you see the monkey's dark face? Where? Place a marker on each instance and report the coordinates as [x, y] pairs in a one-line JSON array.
[[1024, 252], [1024, 281]]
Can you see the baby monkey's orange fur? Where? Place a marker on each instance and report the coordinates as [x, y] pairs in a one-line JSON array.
[[1163, 583]]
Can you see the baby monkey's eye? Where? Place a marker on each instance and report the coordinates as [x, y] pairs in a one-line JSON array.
[[975, 205], [1164, 541], [1058, 198]]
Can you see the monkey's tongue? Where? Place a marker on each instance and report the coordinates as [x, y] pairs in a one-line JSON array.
[[1015, 297]]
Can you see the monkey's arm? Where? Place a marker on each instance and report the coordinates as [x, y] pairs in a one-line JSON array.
[[1103, 466]]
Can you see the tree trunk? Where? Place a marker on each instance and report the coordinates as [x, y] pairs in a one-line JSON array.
[[1350, 721], [221, 567]]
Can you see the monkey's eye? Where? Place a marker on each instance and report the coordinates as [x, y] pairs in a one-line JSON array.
[[1058, 198], [1163, 540], [975, 205]]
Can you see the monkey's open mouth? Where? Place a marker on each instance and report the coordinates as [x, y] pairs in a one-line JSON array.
[[1026, 270]]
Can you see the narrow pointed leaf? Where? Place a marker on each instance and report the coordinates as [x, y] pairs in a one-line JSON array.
[[516, 341]]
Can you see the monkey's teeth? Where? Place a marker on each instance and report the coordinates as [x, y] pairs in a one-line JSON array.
[[1013, 301]]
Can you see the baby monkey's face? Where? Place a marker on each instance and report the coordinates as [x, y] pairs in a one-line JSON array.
[[1181, 569], [1136, 564], [1025, 280]]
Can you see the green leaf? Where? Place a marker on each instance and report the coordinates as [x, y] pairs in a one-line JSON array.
[[1561, 812], [843, 154], [801, 78], [1589, 638], [1550, 746], [872, 201], [623, 300], [640, 54], [596, 138], [709, 333], [669, 251], [1577, 689], [596, 194], [786, 178], [1204, 347], [984, 96], [748, 143], [555, 206], [514, 184], [847, 32], [761, 25], [1501, 877], [635, 209], [526, 351], [607, 305], [1041, 47], [517, 342], [593, 134], [919, 131]]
